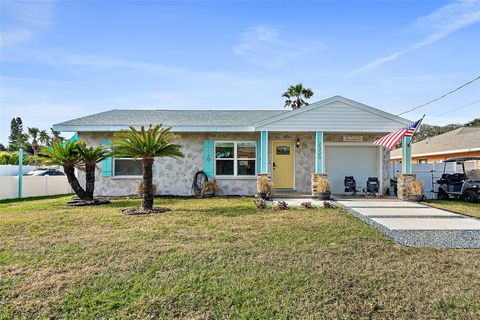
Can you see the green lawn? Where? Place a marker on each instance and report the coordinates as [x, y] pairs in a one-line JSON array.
[[457, 205], [220, 259]]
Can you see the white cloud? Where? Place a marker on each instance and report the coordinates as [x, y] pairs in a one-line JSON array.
[[262, 45], [439, 24], [28, 18]]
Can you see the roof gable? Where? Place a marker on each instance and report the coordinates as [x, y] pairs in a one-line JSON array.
[[334, 114]]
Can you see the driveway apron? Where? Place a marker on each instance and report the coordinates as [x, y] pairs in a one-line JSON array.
[[416, 224]]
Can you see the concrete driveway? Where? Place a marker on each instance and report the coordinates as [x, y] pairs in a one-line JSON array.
[[416, 224]]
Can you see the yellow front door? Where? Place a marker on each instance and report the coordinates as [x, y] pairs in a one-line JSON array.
[[283, 165]]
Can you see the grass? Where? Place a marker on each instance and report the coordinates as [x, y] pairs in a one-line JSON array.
[[457, 205], [220, 258]]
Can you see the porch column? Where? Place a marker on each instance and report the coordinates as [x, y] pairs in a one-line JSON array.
[[319, 152], [264, 152], [406, 155]]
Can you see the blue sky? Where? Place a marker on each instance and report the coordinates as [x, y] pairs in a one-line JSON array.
[[62, 60]]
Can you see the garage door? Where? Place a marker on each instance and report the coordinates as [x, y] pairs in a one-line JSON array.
[[360, 162]]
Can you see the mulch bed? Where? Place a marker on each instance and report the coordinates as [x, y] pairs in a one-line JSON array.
[[84, 203], [140, 211]]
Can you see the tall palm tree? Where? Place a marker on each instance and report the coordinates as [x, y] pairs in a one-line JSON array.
[[33, 133], [88, 159], [44, 138], [56, 135], [296, 96], [66, 156], [146, 144]]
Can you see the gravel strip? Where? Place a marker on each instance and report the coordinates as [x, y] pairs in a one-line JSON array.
[[451, 239]]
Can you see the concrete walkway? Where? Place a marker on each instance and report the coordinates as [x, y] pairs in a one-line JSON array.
[[416, 224]]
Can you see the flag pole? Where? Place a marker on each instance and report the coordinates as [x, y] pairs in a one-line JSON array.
[[415, 131]]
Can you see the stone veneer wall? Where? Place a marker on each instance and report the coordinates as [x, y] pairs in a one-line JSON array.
[[171, 176], [304, 156], [174, 177]]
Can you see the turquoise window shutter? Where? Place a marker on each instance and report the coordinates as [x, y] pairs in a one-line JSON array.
[[259, 147], [208, 157], [107, 163]]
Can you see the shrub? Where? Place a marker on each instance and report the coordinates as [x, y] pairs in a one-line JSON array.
[[307, 205], [209, 186], [328, 205], [260, 203], [264, 185], [415, 188], [282, 205], [320, 184]]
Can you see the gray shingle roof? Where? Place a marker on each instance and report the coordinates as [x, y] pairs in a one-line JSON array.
[[174, 117], [458, 139]]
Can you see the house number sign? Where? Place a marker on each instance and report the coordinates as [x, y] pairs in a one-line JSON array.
[[352, 138]]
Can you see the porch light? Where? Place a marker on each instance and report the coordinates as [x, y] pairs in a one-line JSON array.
[[297, 144]]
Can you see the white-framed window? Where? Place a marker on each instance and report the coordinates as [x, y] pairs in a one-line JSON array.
[[127, 167], [422, 160], [235, 158]]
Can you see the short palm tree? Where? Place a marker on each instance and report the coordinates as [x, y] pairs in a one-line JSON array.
[[44, 138], [297, 96], [88, 158], [146, 144], [33, 133], [66, 156]]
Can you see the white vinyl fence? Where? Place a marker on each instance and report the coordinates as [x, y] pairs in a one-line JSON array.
[[33, 186], [12, 170], [429, 173]]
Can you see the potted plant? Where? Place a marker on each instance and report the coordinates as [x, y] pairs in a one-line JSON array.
[[210, 188], [320, 187], [264, 187], [415, 190]]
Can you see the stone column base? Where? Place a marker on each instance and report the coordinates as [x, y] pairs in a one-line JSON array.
[[403, 180]]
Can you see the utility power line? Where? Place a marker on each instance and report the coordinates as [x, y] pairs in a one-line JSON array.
[[441, 97], [458, 108]]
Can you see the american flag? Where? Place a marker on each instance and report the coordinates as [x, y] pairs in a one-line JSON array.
[[391, 140]]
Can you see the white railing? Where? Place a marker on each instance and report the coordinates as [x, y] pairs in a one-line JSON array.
[[33, 186]]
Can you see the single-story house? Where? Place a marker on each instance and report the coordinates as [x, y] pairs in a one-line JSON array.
[[461, 142], [333, 136]]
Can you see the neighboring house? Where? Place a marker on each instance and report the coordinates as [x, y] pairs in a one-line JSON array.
[[332, 136], [461, 142]]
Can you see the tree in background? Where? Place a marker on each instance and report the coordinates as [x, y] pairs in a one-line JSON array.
[[33, 134], [16, 137], [56, 136], [45, 138], [2, 147], [146, 144], [473, 123], [297, 96]]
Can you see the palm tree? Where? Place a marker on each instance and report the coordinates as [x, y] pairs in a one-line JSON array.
[[66, 156], [33, 133], [44, 138], [146, 144], [89, 157], [56, 135], [295, 96]]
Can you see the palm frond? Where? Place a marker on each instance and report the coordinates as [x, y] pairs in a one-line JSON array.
[[146, 143]]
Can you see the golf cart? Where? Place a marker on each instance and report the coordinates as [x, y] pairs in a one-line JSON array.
[[460, 185]]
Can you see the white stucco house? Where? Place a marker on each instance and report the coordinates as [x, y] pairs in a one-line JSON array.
[[333, 136]]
